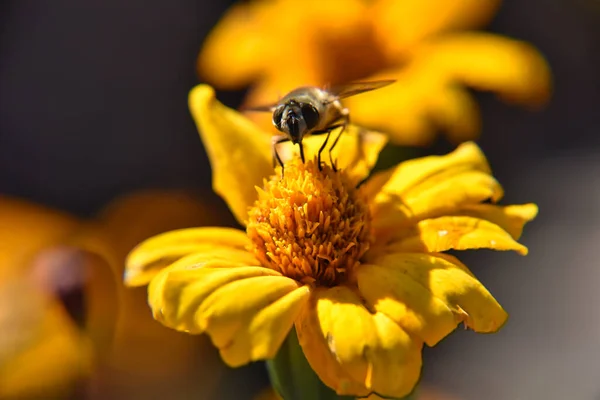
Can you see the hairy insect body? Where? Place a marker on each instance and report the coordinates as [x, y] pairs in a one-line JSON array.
[[311, 110]]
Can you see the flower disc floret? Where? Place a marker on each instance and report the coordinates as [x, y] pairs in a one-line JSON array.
[[312, 225]]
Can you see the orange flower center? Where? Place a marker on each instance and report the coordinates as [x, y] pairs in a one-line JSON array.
[[311, 226]]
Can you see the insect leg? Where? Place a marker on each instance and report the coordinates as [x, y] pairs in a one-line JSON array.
[[337, 139], [276, 141], [323, 145], [301, 152]]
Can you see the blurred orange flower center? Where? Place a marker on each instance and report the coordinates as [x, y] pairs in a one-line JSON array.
[[349, 56], [311, 226]]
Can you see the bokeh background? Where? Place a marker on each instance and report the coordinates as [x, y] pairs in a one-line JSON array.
[[93, 105]]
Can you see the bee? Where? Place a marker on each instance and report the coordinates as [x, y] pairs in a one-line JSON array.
[[311, 110]]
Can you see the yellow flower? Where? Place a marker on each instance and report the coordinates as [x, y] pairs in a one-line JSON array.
[[429, 46], [360, 272], [44, 351]]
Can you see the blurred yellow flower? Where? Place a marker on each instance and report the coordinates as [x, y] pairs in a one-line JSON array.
[[360, 272], [146, 360], [46, 351], [429, 46], [42, 352]]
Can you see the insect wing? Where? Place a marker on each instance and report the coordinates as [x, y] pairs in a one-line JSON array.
[[354, 88]]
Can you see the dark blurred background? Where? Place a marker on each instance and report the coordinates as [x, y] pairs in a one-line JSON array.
[[93, 104]]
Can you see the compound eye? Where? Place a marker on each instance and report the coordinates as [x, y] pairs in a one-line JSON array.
[[310, 115], [277, 114]]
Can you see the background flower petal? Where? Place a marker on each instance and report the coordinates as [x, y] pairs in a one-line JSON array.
[[451, 282], [430, 91], [402, 24], [354, 351], [240, 153], [454, 232], [153, 254], [19, 242], [416, 107], [513, 69], [241, 31]]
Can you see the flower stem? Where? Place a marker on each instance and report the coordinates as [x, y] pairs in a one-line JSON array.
[[293, 378]]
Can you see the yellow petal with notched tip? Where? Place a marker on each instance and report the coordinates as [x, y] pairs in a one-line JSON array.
[[457, 233], [155, 253], [447, 280], [264, 330], [206, 298], [353, 351], [429, 187], [406, 302], [221, 314], [510, 218], [240, 153], [445, 194], [176, 293], [412, 173]]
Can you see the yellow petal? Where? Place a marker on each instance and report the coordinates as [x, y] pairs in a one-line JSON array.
[[257, 38], [247, 311], [428, 93], [510, 218], [263, 332], [447, 280], [136, 216], [458, 233], [176, 293], [240, 31], [428, 187], [412, 173], [155, 253], [455, 111], [513, 69], [407, 302], [355, 352], [401, 24], [240, 153], [417, 106]]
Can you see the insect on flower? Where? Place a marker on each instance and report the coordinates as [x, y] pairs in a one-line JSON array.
[[310, 110]]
